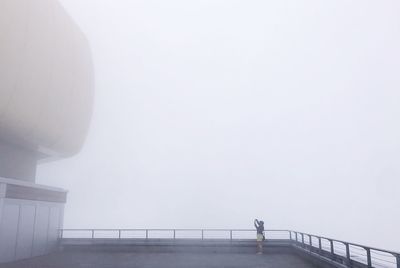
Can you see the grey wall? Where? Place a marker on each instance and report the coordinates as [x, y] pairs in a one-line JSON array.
[[16, 162], [28, 228]]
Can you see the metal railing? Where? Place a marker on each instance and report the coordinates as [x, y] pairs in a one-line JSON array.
[[199, 234], [345, 253]]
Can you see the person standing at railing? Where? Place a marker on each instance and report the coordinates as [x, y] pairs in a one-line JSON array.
[[260, 235]]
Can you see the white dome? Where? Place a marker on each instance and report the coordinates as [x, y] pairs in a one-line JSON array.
[[46, 78]]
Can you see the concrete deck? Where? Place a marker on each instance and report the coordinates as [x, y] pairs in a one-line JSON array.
[[106, 259]]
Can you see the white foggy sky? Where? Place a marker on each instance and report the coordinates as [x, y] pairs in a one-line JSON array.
[[211, 113]]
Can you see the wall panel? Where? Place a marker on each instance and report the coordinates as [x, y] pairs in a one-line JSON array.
[[8, 232], [25, 231], [41, 230]]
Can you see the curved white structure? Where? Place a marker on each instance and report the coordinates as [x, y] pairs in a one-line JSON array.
[[46, 85], [46, 78]]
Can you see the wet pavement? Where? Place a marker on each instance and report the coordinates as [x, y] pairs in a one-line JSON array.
[[88, 259]]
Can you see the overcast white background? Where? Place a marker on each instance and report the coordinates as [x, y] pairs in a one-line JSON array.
[[210, 113]]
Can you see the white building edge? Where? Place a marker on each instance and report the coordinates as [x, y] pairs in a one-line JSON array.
[[46, 98]]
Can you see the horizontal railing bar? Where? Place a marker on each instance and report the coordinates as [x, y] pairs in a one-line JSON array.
[[387, 261]]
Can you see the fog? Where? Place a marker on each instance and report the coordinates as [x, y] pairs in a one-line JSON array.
[[211, 113]]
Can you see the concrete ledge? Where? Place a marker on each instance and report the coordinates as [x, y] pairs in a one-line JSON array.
[[21, 190], [177, 245], [30, 185]]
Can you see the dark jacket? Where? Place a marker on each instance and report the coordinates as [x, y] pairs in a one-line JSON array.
[[259, 226]]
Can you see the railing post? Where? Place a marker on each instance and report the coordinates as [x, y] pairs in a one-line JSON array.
[[147, 234], [202, 234], [92, 233], [332, 248], [398, 261], [119, 234], [302, 239], [348, 257], [62, 233], [297, 240], [320, 244], [174, 234], [230, 234], [369, 260], [290, 235], [310, 240]]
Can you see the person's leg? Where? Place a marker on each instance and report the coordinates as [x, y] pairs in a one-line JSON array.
[[259, 247]]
